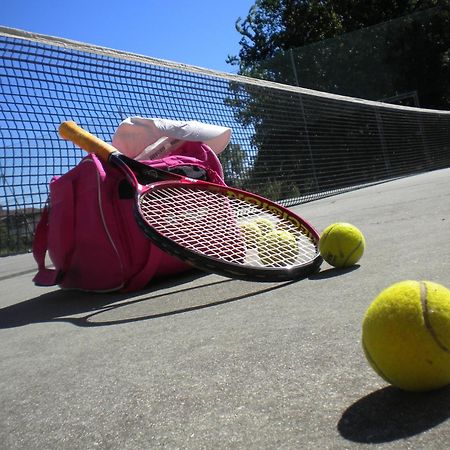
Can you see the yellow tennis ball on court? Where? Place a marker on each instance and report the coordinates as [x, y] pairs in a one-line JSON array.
[[252, 233], [278, 248], [406, 335], [265, 225], [341, 244]]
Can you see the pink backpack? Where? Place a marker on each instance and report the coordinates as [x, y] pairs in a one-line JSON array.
[[89, 232]]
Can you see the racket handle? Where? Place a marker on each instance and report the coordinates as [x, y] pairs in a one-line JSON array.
[[70, 131]]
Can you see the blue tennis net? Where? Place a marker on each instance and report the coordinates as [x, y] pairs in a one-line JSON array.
[[290, 144]]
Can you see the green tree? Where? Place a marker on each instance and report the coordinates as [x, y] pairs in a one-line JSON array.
[[273, 25], [233, 163], [418, 55], [369, 49]]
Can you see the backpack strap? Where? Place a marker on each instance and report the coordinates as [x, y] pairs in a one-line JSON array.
[[61, 232], [44, 276]]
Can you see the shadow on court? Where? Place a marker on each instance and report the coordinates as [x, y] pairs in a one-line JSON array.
[[333, 272], [202, 361], [390, 414], [103, 309]]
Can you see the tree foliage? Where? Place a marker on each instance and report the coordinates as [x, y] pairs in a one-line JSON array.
[[414, 49], [373, 49]]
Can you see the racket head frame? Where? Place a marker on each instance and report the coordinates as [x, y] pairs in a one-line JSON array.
[[227, 268]]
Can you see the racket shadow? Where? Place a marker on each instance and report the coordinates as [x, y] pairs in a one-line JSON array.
[[59, 304], [104, 309], [391, 414], [138, 310]]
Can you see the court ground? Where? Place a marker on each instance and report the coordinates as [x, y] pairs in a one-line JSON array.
[[205, 362]]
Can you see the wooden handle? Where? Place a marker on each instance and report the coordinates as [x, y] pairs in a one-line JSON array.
[[70, 131]]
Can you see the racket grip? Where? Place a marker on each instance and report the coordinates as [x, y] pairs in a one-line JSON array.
[[70, 131]]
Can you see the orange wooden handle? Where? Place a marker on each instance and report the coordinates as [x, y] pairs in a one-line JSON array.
[[70, 131]]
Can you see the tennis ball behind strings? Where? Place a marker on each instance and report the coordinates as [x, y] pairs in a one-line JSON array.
[[341, 244], [252, 233], [265, 225], [278, 248], [406, 335]]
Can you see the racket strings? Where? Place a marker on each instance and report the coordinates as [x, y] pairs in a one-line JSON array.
[[229, 229]]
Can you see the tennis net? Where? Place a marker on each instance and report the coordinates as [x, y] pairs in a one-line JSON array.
[[290, 144]]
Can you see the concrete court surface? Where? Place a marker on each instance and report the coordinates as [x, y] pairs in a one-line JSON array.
[[205, 362]]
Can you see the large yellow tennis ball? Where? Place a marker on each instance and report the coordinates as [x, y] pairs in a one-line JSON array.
[[278, 248], [406, 335], [341, 244]]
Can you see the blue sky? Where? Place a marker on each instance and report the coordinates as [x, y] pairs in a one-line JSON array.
[[197, 32]]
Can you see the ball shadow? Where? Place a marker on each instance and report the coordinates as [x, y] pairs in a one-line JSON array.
[[391, 414], [332, 272]]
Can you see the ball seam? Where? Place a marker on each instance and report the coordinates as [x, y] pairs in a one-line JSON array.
[[374, 365], [426, 318], [324, 237], [352, 252]]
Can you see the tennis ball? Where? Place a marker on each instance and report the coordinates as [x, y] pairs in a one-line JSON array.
[[341, 244], [278, 248], [252, 233], [406, 335], [265, 225]]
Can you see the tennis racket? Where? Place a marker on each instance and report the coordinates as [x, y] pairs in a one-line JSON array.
[[215, 228]]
